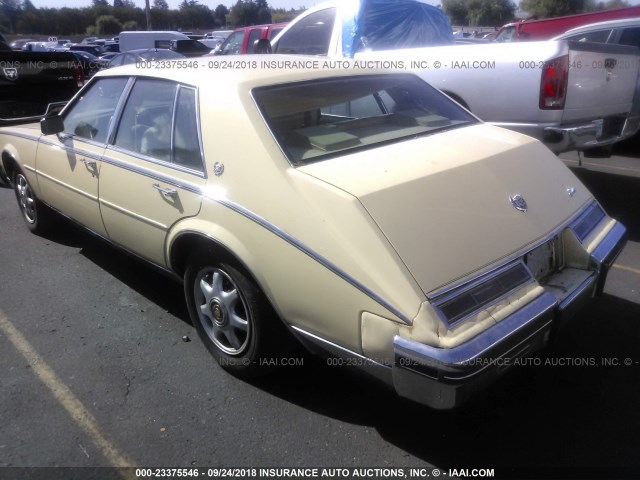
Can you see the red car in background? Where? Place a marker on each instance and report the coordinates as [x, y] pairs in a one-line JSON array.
[[548, 28], [244, 39]]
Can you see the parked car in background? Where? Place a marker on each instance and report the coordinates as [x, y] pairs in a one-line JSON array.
[[80, 47], [243, 40], [211, 43], [547, 28], [189, 48], [89, 63], [531, 87], [218, 34], [19, 44], [144, 55], [615, 32], [363, 212], [33, 83], [618, 32], [134, 40]]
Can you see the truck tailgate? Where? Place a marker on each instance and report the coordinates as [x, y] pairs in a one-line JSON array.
[[602, 80]]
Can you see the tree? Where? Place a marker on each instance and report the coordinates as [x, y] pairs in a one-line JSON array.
[[100, 3], [220, 15], [456, 10], [161, 4], [10, 9], [27, 6], [553, 8], [489, 13], [108, 24], [250, 13]]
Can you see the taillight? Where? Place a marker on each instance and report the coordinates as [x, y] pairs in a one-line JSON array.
[[553, 85], [78, 74]]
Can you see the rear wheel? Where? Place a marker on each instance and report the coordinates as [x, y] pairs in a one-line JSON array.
[[232, 316], [36, 215]]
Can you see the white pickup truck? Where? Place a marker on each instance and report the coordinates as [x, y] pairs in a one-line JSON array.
[[570, 95]]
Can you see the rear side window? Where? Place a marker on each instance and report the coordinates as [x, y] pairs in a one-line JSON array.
[[630, 36], [90, 116], [160, 121]]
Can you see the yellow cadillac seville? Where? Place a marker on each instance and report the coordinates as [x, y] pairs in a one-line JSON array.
[[363, 213]]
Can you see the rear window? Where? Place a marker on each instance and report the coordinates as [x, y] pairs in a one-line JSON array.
[[320, 119]]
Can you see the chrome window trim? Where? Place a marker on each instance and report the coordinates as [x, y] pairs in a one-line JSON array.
[[153, 160], [438, 301], [325, 262], [510, 258], [117, 114]]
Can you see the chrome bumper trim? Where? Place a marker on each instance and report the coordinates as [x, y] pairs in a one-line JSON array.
[[443, 378]]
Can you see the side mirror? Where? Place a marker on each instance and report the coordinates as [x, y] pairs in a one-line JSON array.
[[262, 46], [51, 125]]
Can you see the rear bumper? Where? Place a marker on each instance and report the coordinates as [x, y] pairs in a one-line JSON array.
[[444, 378], [561, 138]]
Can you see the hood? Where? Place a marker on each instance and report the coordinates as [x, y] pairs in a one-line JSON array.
[[443, 202]]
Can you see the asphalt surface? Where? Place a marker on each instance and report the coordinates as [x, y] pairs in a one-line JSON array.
[[94, 372]]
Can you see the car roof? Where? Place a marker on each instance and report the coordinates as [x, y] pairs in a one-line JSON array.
[[624, 22], [259, 70]]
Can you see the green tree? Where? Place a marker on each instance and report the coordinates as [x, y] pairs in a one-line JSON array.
[[488, 13], [161, 4], [456, 10], [9, 11], [108, 24], [553, 8], [220, 15], [100, 3]]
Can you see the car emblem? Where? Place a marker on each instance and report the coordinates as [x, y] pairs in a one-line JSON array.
[[10, 73], [518, 202], [218, 169], [571, 191]]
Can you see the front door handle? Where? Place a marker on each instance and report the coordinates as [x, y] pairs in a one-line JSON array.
[[167, 192], [91, 165]]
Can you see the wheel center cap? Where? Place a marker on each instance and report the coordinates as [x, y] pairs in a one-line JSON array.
[[218, 313]]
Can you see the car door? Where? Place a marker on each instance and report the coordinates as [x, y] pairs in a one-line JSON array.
[[152, 174], [68, 164]]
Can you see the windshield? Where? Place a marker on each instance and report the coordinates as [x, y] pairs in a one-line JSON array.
[[319, 119]]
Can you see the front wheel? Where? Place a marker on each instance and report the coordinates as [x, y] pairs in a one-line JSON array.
[[36, 215], [232, 316]]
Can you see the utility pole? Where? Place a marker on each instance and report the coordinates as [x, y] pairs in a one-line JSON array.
[[147, 11]]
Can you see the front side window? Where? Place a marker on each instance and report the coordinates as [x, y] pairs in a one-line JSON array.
[[90, 116], [160, 121], [233, 44], [310, 36], [320, 119]]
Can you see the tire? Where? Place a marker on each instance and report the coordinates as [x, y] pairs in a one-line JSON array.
[[233, 317], [36, 214]]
